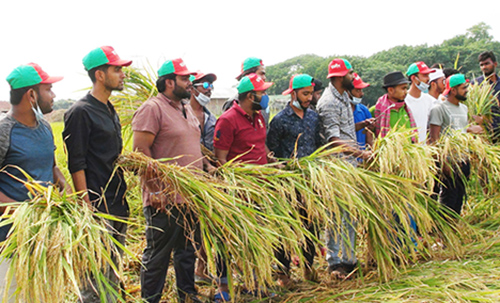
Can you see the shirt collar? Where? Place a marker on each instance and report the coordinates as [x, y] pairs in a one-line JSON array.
[[344, 97]]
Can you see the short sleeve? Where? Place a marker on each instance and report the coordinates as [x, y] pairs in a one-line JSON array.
[[436, 116], [147, 118], [223, 134]]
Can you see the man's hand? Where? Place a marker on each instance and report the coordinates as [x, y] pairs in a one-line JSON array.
[[366, 155], [475, 129]]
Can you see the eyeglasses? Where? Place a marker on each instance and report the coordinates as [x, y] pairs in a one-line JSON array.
[[206, 85]]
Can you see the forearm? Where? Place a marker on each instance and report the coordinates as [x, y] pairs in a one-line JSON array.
[[60, 181], [80, 184], [4, 199]]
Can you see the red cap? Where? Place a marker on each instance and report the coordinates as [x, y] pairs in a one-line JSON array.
[[252, 82], [113, 57], [338, 68], [358, 82], [199, 75], [419, 67]]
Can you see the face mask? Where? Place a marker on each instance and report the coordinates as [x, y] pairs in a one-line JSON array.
[[297, 104], [202, 99], [423, 87], [263, 103], [37, 111], [355, 100]]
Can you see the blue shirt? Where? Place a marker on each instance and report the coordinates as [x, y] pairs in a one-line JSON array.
[[286, 127], [32, 150], [361, 113]]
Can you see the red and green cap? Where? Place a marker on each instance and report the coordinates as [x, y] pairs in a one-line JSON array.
[[250, 62], [358, 82], [252, 82], [200, 76], [176, 66], [452, 81], [338, 68], [103, 55], [299, 81], [29, 75], [419, 68]]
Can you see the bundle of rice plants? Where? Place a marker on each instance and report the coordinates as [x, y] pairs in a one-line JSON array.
[[480, 99], [56, 244]]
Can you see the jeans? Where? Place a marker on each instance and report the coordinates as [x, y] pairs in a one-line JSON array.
[[346, 237]]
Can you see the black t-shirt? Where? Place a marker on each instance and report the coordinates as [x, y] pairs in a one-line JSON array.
[[92, 133]]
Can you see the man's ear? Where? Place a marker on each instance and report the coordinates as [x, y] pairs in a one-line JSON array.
[[170, 83]]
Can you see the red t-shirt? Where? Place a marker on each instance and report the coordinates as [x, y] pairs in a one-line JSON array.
[[240, 134]]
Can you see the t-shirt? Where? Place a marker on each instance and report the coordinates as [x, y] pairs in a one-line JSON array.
[[29, 148], [420, 108], [241, 135], [450, 116], [361, 113], [177, 134]]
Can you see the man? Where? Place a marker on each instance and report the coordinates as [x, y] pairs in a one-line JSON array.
[[92, 134], [452, 115], [318, 90], [391, 110], [337, 122], [419, 102], [436, 85], [488, 64], [251, 65], [200, 97], [240, 133], [27, 142], [362, 117], [164, 127], [294, 133]]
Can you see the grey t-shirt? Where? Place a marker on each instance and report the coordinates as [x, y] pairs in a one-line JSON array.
[[449, 116]]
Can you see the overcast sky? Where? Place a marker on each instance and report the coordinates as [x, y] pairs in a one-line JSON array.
[[216, 36]]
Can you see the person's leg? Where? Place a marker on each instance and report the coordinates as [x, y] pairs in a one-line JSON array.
[[309, 251], [349, 240], [161, 235]]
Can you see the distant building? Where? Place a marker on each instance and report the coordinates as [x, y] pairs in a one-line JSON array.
[[4, 108]]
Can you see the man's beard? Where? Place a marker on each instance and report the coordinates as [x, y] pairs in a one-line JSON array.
[[347, 84], [461, 97], [181, 93]]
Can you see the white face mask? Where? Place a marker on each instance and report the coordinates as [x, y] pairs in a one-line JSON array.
[[297, 104], [423, 87], [37, 110], [202, 99], [355, 100]]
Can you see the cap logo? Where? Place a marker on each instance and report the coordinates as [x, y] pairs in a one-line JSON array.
[[114, 53], [336, 65]]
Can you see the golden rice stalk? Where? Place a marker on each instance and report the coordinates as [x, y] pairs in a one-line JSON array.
[[55, 245], [395, 154], [480, 99]]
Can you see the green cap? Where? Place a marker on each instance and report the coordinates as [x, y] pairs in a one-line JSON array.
[[103, 55], [299, 81], [250, 62], [176, 66], [252, 82], [419, 68], [29, 75], [452, 81]]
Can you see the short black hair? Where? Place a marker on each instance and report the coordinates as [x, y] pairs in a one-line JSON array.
[[160, 83], [249, 71], [92, 72], [485, 55], [16, 95], [449, 72], [318, 85], [438, 65]]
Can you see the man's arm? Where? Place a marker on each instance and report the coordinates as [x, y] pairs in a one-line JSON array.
[[348, 149], [221, 155], [434, 131], [5, 199], [80, 184], [59, 179]]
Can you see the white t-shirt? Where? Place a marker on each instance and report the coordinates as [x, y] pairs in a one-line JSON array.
[[420, 108]]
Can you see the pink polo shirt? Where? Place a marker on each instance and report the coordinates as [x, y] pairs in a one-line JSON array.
[[175, 134]]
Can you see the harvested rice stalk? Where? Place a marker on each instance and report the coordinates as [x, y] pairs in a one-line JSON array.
[[395, 154], [480, 99], [240, 220], [57, 243]]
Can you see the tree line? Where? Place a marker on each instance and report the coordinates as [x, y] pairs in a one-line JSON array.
[[459, 52]]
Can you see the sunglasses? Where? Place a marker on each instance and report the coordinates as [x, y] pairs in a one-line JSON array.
[[206, 85]]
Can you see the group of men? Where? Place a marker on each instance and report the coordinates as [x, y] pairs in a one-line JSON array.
[[176, 123]]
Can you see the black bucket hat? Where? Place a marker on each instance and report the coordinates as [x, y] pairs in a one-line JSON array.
[[394, 79]]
